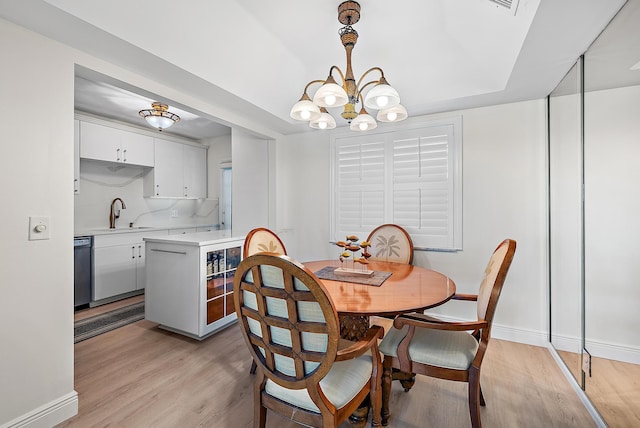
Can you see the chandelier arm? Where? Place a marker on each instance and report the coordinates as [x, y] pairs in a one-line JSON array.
[[339, 72], [311, 83], [367, 72], [360, 90]]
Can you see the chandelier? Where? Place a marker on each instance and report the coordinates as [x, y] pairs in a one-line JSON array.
[[381, 96], [159, 116]]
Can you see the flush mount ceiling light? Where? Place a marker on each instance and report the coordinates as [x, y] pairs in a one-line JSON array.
[[381, 96], [159, 116]]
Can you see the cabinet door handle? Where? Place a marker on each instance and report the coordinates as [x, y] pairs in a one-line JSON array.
[[118, 155], [133, 249], [75, 185], [185, 191], [139, 251], [157, 190], [124, 155], [184, 253]]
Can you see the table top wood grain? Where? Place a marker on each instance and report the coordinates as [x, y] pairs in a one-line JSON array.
[[408, 289]]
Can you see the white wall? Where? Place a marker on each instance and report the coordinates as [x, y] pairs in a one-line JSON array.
[[251, 203], [36, 172], [565, 164], [36, 308], [504, 196], [612, 231], [219, 152]]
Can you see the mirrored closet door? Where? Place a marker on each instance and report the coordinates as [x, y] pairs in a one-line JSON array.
[[595, 263]]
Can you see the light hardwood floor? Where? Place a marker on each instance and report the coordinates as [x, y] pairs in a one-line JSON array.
[[613, 388], [142, 376], [90, 312]]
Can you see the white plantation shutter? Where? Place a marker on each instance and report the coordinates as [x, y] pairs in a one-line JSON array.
[[411, 178]]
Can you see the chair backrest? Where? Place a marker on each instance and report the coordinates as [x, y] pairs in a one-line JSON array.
[[391, 243], [493, 280], [287, 319], [261, 240]]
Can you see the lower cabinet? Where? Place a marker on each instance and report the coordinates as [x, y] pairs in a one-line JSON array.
[[119, 265], [190, 284]]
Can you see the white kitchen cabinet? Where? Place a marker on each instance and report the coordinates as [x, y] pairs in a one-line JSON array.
[[194, 171], [76, 157], [105, 143], [190, 281], [165, 179], [114, 271], [180, 171], [119, 265]]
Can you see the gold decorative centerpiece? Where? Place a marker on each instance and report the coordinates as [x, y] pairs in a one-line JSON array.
[[350, 249]]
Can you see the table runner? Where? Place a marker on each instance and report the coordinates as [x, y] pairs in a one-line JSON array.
[[376, 279]]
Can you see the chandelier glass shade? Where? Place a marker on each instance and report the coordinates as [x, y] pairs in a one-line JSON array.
[[324, 121], [393, 114], [159, 116], [346, 94]]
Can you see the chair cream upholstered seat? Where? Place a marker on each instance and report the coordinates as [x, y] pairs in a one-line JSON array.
[[450, 349], [291, 328], [425, 345], [341, 385]]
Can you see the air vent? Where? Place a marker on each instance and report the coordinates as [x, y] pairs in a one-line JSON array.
[[509, 5]]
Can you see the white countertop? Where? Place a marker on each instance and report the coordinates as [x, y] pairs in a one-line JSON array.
[[197, 239], [107, 231]]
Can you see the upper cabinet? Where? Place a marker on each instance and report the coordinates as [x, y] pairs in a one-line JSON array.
[[180, 171], [194, 171], [104, 143]]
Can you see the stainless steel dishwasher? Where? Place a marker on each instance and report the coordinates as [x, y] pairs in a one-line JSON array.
[[83, 275]]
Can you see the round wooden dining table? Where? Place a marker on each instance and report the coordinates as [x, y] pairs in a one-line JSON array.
[[408, 289]]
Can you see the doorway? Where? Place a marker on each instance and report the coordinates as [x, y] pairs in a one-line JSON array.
[[225, 195]]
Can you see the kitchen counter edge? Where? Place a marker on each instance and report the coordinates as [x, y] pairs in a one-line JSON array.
[[198, 239], [105, 231]]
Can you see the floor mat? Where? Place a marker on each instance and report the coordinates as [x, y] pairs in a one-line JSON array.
[[93, 326]]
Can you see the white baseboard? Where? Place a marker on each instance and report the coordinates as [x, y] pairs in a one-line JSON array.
[[610, 351], [502, 332], [49, 415], [519, 335], [615, 352]]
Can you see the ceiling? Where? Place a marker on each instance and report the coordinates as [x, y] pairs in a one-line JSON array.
[[250, 59]]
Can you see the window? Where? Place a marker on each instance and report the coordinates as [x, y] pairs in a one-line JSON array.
[[411, 177]]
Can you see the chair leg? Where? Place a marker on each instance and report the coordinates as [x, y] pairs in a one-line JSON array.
[[259, 416], [375, 398], [386, 389], [407, 380], [254, 367], [474, 397]]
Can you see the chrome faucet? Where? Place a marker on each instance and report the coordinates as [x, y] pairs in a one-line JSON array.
[[114, 214]]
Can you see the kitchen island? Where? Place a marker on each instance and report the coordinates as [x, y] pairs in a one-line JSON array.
[[189, 281]]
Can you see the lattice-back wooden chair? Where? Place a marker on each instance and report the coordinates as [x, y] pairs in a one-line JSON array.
[[291, 328], [391, 243], [448, 350], [261, 240]]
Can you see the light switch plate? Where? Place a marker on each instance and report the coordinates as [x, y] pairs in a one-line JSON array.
[[38, 228]]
